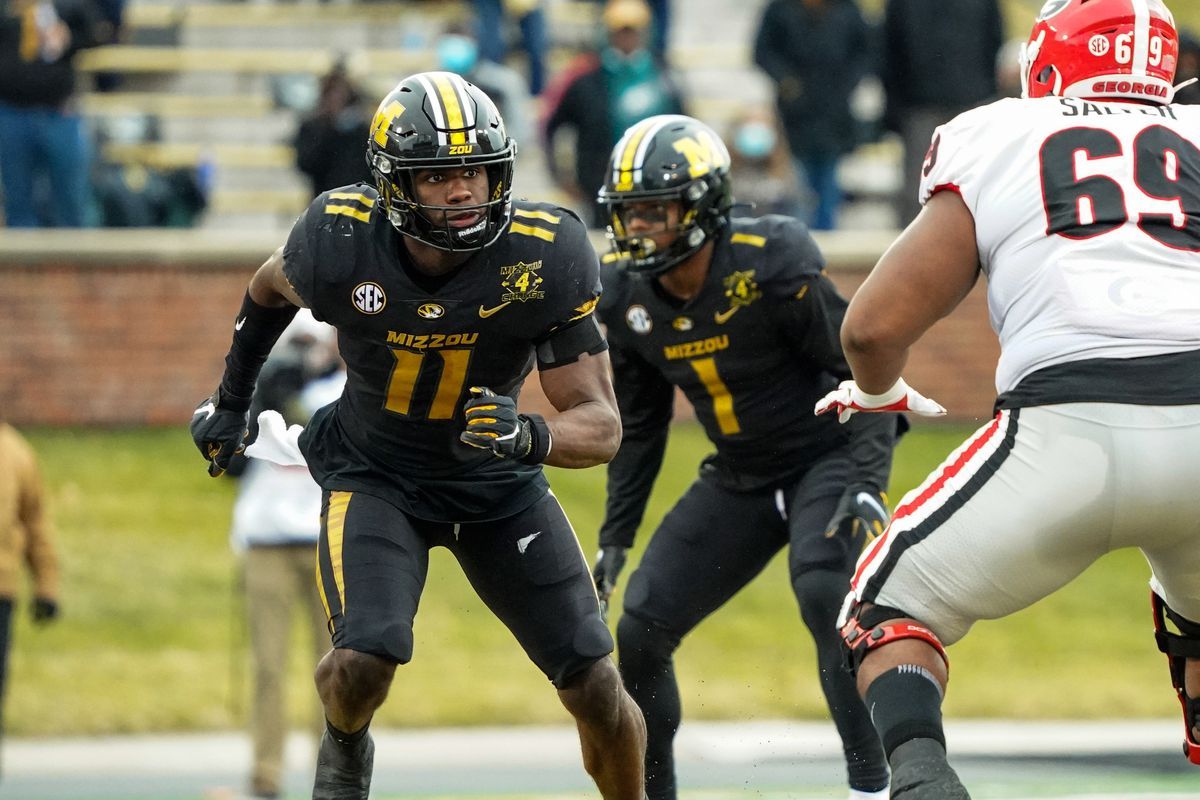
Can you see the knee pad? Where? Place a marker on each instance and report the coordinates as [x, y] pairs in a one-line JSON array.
[[641, 643], [821, 591], [1179, 647], [866, 630]]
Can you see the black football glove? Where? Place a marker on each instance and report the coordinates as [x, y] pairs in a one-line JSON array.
[[861, 515], [44, 610], [494, 424], [219, 430], [609, 563]]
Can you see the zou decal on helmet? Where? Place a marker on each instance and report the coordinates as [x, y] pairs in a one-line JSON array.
[[667, 158], [438, 120]]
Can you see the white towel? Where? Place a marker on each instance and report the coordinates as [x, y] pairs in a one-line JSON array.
[[277, 442]]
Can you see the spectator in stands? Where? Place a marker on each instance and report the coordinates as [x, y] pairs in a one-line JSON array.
[[815, 52], [329, 142], [458, 51], [939, 59], [761, 171], [26, 539], [44, 149], [622, 86], [276, 522], [1188, 69], [660, 12], [111, 31], [491, 18]]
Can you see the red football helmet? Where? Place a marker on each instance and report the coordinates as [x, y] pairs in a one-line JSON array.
[[1101, 48]]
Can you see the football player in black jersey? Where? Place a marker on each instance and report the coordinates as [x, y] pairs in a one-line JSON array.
[[444, 293], [739, 314]]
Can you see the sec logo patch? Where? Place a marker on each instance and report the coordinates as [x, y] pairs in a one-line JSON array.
[[369, 298], [638, 319]]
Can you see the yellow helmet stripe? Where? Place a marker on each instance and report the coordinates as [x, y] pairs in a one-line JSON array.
[[636, 142], [623, 177], [451, 104]]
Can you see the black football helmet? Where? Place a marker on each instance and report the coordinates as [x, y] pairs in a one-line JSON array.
[[437, 120], [670, 158]]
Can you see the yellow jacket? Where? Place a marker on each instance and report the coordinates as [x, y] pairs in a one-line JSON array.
[[25, 532]]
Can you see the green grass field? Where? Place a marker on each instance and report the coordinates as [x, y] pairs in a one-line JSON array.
[[148, 640]]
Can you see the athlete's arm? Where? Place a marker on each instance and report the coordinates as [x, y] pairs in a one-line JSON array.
[[646, 402], [219, 425], [587, 429], [270, 287], [921, 278]]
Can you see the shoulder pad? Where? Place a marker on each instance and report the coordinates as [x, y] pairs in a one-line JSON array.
[[544, 221], [780, 248], [614, 285], [348, 203]]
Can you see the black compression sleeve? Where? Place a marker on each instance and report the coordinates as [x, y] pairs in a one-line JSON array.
[[254, 334]]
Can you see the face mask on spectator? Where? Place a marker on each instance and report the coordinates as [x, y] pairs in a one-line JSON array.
[[754, 140], [457, 53]]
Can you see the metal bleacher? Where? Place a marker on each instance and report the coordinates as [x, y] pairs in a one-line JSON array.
[[209, 74]]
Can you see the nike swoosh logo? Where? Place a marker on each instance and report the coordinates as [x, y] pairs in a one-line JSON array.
[[723, 316], [237, 326], [866, 498], [208, 409], [524, 542], [487, 312]]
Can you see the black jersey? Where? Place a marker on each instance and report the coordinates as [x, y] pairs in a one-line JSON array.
[[753, 352], [412, 353]]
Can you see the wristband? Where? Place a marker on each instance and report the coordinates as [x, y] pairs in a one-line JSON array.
[[254, 334], [893, 395], [539, 439]]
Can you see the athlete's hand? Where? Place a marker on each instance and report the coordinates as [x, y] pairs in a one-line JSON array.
[[861, 514], [609, 563], [44, 610], [494, 424], [219, 430], [848, 399]]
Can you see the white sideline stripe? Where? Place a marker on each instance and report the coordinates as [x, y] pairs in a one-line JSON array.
[[550, 745]]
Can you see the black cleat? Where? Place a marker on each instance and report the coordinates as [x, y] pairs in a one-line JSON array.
[[920, 772], [344, 770]]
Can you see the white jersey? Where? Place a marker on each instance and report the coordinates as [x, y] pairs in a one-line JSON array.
[[1087, 220]]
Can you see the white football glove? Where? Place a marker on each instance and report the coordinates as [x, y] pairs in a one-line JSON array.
[[848, 398]]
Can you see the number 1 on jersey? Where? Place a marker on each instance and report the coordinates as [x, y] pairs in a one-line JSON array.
[[407, 371], [706, 369]]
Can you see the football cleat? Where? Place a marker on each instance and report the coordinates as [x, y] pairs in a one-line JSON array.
[[344, 771], [921, 772]]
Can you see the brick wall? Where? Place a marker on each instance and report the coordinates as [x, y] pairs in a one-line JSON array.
[[109, 343]]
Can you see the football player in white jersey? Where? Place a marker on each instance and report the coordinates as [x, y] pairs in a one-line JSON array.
[[1080, 203]]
